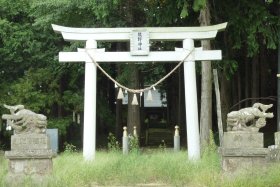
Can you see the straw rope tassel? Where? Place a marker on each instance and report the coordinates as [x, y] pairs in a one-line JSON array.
[[134, 100], [149, 96], [120, 94]]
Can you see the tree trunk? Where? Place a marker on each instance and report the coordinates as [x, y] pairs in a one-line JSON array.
[[225, 97], [206, 84], [278, 86], [118, 128], [255, 77], [133, 111], [134, 19], [247, 82], [278, 80], [263, 72], [239, 77]]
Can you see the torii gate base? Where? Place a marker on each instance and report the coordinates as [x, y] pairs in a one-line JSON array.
[[186, 34]]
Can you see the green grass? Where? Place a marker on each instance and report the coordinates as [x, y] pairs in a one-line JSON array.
[[157, 167], [3, 167]]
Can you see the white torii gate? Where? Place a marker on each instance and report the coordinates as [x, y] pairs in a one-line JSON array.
[[139, 44]]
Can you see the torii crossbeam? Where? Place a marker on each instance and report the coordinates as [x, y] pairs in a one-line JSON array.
[[139, 52]]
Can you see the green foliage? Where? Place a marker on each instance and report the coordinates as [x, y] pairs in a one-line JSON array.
[[69, 148], [36, 90], [211, 147], [251, 24], [199, 4], [104, 112], [185, 12], [74, 100], [113, 144], [166, 12], [67, 12], [60, 123], [134, 144], [229, 66], [162, 146], [3, 168]]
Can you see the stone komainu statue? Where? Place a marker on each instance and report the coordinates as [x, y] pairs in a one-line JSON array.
[[25, 121], [249, 119]]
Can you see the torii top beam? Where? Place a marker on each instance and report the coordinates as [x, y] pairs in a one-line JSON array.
[[123, 34]]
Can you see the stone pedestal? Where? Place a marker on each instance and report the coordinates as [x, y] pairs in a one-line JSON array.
[[277, 138], [30, 156], [242, 151], [274, 150]]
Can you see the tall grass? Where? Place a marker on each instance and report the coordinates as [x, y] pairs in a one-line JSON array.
[[3, 168], [156, 167], [117, 169]]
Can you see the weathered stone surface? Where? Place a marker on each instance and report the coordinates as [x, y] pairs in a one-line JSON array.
[[30, 166], [244, 152], [249, 119], [243, 139], [25, 121], [30, 142], [277, 138], [28, 154], [273, 153], [237, 164]]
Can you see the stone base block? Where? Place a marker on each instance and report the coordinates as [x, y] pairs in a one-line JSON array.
[[25, 180], [234, 139], [277, 138], [239, 159], [274, 153], [30, 158], [237, 164], [30, 166]]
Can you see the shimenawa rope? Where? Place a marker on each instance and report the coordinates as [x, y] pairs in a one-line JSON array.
[[135, 91]]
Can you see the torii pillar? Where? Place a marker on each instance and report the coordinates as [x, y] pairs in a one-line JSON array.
[[89, 135], [138, 54], [191, 103]]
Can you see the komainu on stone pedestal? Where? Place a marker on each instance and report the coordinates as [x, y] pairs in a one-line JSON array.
[[242, 146], [30, 153], [25, 121], [249, 119]]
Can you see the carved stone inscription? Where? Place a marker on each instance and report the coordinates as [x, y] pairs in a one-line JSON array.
[[243, 140], [36, 141], [139, 43]]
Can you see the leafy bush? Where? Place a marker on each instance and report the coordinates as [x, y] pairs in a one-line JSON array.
[[69, 148], [133, 144], [162, 145], [113, 144]]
